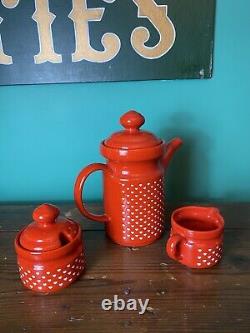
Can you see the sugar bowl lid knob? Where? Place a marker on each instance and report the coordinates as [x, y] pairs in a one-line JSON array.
[[132, 120], [46, 214]]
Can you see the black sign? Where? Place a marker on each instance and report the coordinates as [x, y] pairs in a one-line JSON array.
[[49, 41]]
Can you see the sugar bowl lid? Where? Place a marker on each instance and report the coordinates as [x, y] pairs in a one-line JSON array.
[[48, 231], [132, 137]]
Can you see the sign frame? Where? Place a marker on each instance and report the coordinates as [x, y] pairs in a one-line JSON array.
[[48, 41]]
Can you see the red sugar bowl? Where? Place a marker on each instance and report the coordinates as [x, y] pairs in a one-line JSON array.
[[49, 251]]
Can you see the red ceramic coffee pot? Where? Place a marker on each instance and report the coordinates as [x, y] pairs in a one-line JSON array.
[[133, 183], [49, 251]]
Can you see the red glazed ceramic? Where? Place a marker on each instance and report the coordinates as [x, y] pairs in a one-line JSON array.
[[133, 183], [196, 236], [49, 251]]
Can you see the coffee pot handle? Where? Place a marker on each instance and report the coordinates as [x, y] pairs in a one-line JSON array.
[[78, 191], [171, 246]]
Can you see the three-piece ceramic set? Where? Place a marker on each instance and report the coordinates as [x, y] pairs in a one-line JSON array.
[[50, 251]]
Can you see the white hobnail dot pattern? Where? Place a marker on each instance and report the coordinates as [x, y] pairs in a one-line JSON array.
[[143, 210], [209, 256], [50, 279]]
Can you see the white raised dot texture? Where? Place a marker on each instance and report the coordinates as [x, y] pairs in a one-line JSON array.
[[212, 255], [146, 212], [44, 280]]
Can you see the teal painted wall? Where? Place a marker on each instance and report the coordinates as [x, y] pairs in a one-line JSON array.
[[49, 132]]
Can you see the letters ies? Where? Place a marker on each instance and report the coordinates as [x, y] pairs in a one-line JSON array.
[[81, 16]]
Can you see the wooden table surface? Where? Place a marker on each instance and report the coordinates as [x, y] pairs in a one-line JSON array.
[[181, 299]]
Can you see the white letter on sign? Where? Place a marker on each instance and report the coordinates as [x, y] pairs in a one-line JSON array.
[[44, 19], [4, 59], [157, 15], [10, 3], [81, 15]]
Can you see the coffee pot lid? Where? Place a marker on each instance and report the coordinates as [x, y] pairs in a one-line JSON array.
[[48, 231], [132, 137]]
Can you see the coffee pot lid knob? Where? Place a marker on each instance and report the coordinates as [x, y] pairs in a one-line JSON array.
[[132, 120], [132, 137]]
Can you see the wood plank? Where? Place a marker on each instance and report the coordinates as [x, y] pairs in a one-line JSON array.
[[181, 299], [13, 217]]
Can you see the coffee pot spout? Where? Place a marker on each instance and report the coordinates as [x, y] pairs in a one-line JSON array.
[[171, 147]]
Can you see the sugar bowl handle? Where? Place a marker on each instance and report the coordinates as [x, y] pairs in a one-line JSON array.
[[78, 190]]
